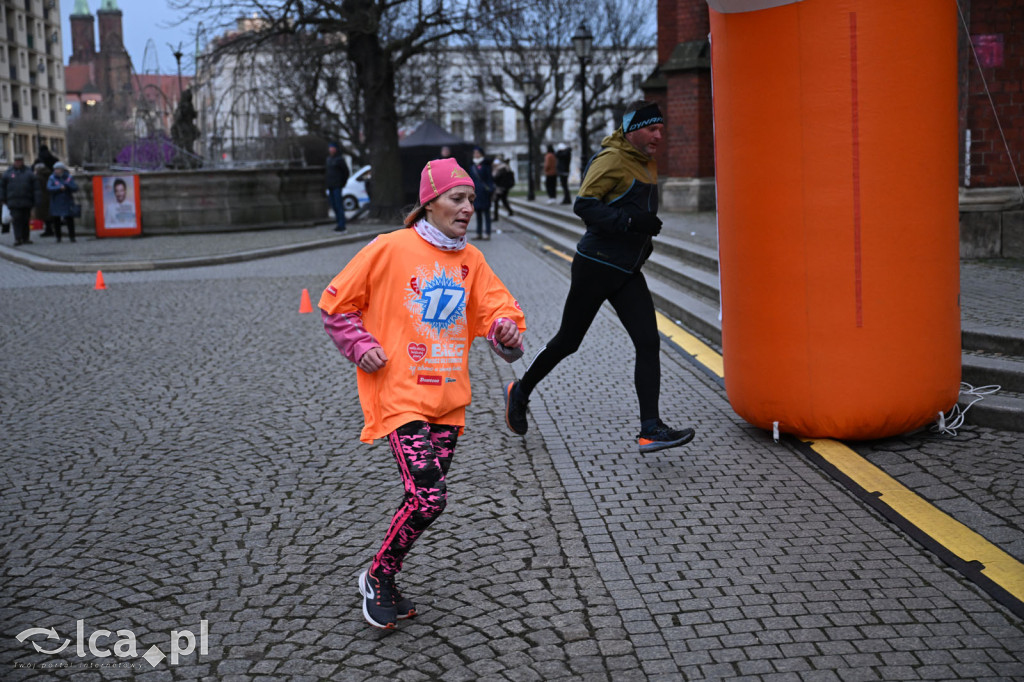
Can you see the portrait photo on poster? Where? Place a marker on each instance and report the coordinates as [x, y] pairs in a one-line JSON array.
[[119, 202]]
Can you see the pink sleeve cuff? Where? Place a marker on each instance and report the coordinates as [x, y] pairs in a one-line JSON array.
[[349, 334]]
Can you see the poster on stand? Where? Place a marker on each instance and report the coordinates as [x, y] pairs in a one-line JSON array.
[[118, 212]]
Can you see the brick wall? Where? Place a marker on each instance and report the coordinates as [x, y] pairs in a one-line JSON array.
[[690, 127], [83, 44], [997, 32], [685, 99]]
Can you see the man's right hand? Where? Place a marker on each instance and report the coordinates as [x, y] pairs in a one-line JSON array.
[[646, 223]]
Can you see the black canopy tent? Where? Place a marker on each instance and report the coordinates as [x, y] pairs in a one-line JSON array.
[[422, 145]]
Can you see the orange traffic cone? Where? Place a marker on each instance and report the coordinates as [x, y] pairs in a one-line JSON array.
[[305, 306], [99, 280]]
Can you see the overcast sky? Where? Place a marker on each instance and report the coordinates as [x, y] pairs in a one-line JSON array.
[[143, 20]]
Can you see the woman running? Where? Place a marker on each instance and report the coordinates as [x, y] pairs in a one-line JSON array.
[[405, 310]]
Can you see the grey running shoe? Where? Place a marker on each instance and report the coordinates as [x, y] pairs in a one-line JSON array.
[[515, 409], [662, 436], [378, 600]]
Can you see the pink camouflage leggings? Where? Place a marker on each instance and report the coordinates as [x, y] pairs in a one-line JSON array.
[[424, 453]]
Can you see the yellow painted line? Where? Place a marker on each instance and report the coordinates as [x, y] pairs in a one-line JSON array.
[[704, 354], [1000, 567], [553, 250]]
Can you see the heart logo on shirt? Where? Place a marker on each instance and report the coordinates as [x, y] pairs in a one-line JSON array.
[[414, 285], [465, 271], [417, 351]]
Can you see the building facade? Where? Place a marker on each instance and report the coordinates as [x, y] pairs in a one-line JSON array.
[[242, 96], [31, 79]]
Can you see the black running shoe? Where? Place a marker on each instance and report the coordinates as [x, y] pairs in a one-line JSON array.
[[378, 600], [515, 409], [404, 608], [662, 436]]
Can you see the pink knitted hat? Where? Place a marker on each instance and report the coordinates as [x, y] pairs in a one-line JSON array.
[[439, 176]]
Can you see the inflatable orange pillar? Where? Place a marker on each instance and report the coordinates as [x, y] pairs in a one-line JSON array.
[[836, 163]]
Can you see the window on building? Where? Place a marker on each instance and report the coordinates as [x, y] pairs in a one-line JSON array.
[[3, 92], [598, 80], [497, 126], [498, 82], [638, 79], [458, 127], [559, 81], [520, 127], [557, 129], [20, 144]]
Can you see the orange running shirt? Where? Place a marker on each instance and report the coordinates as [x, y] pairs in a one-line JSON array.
[[424, 306]]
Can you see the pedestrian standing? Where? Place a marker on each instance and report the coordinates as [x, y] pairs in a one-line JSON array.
[[405, 310], [483, 181], [564, 155], [336, 175], [551, 174], [42, 209], [19, 190], [62, 187], [45, 157], [504, 181], [618, 202]]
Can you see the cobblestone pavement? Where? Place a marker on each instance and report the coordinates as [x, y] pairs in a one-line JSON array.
[[182, 447]]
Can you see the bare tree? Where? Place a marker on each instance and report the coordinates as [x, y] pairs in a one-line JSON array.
[[379, 37], [97, 136], [530, 43]]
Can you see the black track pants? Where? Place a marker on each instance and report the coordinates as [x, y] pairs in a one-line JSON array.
[[592, 284]]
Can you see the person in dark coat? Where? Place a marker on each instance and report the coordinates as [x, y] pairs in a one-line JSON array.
[[504, 181], [563, 154], [483, 181], [336, 175], [46, 158], [42, 209], [18, 189], [62, 187]]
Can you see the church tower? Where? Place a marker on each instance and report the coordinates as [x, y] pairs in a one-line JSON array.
[[114, 67], [83, 43]]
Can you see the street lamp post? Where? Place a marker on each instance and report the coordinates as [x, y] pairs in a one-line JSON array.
[[178, 54], [529, 92], [583, 44]]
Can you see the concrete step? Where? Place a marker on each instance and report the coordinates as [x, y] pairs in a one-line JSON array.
[[987, 370], [689, 267], [1003, 410], [993, 340]]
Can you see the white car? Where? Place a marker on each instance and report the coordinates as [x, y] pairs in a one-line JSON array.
[[354, 193]]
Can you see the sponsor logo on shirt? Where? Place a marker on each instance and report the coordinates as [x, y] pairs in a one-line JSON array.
[[428, 379], [332, 291]]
